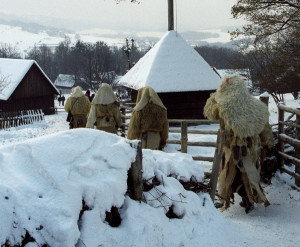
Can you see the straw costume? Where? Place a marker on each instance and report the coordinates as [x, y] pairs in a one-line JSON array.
[[105, 111], [79, 105], [245, 120], [149, 121]]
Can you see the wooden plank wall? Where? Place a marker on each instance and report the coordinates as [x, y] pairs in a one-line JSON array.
[[182, 105], [33, 92]]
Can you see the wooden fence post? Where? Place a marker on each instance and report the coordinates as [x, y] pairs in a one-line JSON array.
[[297, 149], [135, 175], [264, 98], [216, 164], [184, 137], [123, 111], [280, 131]]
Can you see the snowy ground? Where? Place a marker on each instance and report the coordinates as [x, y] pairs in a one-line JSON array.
[[36, 162]]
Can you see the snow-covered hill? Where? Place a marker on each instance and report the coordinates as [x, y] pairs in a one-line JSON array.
[[24, 36]]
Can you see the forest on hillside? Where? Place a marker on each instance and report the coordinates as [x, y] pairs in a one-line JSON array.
[[93, 61]]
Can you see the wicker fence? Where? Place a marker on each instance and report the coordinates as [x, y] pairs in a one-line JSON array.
[[19, 118], [295, 142]]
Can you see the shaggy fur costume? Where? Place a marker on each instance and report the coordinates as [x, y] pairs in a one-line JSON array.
[[107, 117], [105, 110], [246, 123], [149, 121], [79, 105]]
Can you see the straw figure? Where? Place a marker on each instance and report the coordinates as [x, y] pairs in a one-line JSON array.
[[149, 122], [245, 121], [105, 112], [78, 106]]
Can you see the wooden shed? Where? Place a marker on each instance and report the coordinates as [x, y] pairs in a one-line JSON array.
[[64, 83], [24, 85], [180, 76]]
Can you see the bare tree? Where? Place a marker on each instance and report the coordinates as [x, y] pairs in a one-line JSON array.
[[274, 54], [8, 51], [266, 18]]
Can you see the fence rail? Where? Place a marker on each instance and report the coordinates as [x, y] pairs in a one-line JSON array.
[[19, 118], [295, 142], [184, 131]]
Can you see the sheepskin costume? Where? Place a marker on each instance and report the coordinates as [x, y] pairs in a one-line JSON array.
[[149, 121], [245, 120], [79, 105], [105, 111]]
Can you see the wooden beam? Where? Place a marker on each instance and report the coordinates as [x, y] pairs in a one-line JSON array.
[[200, 132], [170, 15], [216, 164], [289, 158], [200, 144], [203, 158], [184, 137], [294, 142], [296, 176], [135, 175], [288, 109], [193, 121]]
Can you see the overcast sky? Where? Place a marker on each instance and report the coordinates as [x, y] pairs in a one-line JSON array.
[[148, 15]]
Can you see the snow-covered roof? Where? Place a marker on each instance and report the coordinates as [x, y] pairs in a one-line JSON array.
[[63, 80], [172, 65], [12, 71]]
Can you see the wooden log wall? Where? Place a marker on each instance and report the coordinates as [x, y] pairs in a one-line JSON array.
[[182, 105]]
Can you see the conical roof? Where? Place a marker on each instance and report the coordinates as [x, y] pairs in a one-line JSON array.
[[172, 65]]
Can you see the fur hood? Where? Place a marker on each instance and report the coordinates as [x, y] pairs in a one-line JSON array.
[[77, 92], [241, 112], [147, 95], [104, 95]]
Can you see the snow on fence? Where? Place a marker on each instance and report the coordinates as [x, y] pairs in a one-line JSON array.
[[19, 118], [295, 142]]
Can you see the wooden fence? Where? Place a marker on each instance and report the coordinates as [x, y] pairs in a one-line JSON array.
[[19, 118], [295, 142], [125, 110], [184, 131], [125, 115]]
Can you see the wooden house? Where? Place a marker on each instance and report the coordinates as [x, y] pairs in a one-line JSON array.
[[64, 83], [180, 76], [24, 85]]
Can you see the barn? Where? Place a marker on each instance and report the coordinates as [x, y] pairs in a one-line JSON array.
[[180, 76], [24, 86], [65, 83]]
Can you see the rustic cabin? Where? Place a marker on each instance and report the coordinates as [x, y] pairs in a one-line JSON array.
[[64, 83], [24, 86], [180, 76]]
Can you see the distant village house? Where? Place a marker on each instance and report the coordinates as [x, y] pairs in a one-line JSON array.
[[25, 86], [64, 83]]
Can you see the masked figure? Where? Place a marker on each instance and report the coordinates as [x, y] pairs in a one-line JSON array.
[[105, 112], [149, 121], [78, 106], [245, 121]]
